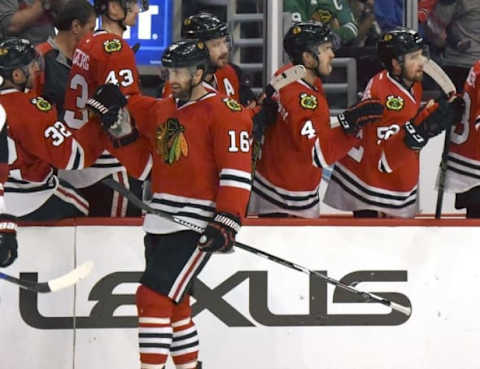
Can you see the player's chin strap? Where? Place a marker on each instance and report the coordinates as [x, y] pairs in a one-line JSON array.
[[366, 296]]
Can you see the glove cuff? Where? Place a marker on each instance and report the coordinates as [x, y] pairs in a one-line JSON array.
[[413, 137], [342, 119], [229, 220], [8, 226]]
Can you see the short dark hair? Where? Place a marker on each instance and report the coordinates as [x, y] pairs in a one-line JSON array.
[[80, 10]]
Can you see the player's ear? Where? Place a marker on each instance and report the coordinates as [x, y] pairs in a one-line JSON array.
[[18, 77], [115, 10], [307, 59], [396, 67], [198, 76]]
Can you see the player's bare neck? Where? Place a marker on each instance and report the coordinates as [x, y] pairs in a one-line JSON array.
[[198, 92], [112, 27], [310, 77]]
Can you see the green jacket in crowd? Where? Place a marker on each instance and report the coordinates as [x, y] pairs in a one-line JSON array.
[[336, 13]]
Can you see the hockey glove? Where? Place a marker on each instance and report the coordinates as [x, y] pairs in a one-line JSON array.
[[109, 103], [432, 120], [8, 240], [219, 236], [355, 117], [266, 116]]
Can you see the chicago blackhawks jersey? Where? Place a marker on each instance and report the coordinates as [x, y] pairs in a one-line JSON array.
[[201, 157], [100, 58], [296, 148], [381, 172], [37, 143], [463, 169]]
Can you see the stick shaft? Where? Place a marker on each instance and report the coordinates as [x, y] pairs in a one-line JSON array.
[[366, 295]]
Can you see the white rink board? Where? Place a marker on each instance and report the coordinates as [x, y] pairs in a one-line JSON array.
[[441, 264]]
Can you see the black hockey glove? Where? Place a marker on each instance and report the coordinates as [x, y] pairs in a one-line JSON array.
[[266, 116], [432, 120], [219, 236], [355, 117], [108, 103], [8, 240]]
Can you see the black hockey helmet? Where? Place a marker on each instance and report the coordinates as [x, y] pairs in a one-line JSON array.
[[15, 53], [204, 26], [101, 6], [396, 43], [186, 53], [303, 36]]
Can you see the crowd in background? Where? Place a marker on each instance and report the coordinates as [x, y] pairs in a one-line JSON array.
[[451, 28]]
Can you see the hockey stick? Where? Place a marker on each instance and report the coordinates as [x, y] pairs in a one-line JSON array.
[[56, 284], [288, 76], [447, 86], [367, 296]]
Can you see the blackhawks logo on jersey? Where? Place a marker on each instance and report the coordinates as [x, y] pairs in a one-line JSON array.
[[41, 104], [308, 101], [394, 103], [232, 104], [112, 46], [170, 141]]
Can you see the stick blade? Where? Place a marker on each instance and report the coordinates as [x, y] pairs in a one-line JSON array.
[[288, 76], [400, 308], [72, 277], [440, 77]]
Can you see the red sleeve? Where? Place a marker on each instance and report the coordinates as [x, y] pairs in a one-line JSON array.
[[54, 143], [231, 134]]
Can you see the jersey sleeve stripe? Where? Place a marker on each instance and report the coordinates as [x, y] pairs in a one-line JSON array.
[[77, 157], [383, 164], [147, 169], [317, 156], [352, 27], [235, 178]]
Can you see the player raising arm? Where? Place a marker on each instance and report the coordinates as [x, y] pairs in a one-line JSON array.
[[201, 173], [103, 57]]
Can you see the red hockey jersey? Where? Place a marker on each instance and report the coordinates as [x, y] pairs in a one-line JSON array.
[[381, 173], [100, 58], [463, 170], [201, 157], [38, 142], [296, 148]]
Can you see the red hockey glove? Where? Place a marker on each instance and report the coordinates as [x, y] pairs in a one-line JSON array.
[[8, 240], [355, 117], [219, 236]]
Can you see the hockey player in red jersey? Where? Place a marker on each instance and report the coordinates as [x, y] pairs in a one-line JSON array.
[[301, 142], [39, 142], [103, 57], [201, 173], [222, 76], [463, 166], [380, 174], [8, 224]]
